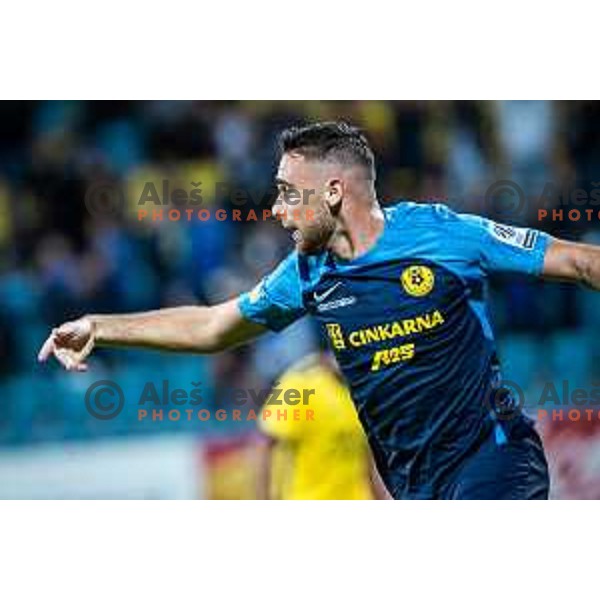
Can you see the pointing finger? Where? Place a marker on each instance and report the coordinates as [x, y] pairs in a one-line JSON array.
[[47, 349]]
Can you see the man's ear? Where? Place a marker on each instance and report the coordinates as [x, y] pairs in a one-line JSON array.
[[334, 194]]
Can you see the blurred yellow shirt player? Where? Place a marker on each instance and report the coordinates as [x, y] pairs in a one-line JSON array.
[[323, 454]]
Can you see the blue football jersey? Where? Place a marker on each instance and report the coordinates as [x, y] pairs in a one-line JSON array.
[[408, 324]]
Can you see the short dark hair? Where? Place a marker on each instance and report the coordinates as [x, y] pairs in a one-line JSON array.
[[329, 140]]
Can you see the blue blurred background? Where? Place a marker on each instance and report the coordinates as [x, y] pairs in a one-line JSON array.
[[58, 261]]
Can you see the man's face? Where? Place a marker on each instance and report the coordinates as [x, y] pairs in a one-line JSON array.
[[304, 202]]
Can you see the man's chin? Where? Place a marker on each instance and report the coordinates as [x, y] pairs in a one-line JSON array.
[[306, 247], [312, 242]]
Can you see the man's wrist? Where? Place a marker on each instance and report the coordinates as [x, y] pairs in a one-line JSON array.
[[96, 328]]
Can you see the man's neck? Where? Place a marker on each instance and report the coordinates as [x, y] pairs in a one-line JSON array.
[[360, 224]]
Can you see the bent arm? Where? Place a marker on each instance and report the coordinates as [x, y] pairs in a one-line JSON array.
[[573, 261], [378, 489], [202, 329]]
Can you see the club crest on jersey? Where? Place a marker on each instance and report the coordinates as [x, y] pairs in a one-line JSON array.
[[417, 280]]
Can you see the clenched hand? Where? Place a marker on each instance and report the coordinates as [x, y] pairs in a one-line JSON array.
[[71, 343]]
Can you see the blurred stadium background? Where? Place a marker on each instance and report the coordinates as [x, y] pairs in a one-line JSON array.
[[58, 261]]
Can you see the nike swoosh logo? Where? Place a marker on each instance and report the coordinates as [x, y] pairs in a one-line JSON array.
[[325, 295]]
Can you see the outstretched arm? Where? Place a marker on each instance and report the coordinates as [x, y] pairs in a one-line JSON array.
[[184, 329], [572, 261], [273, 304]]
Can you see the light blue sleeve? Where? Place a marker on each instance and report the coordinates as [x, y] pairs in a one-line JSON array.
[[504, 248], [276, 301], [492, 247]]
